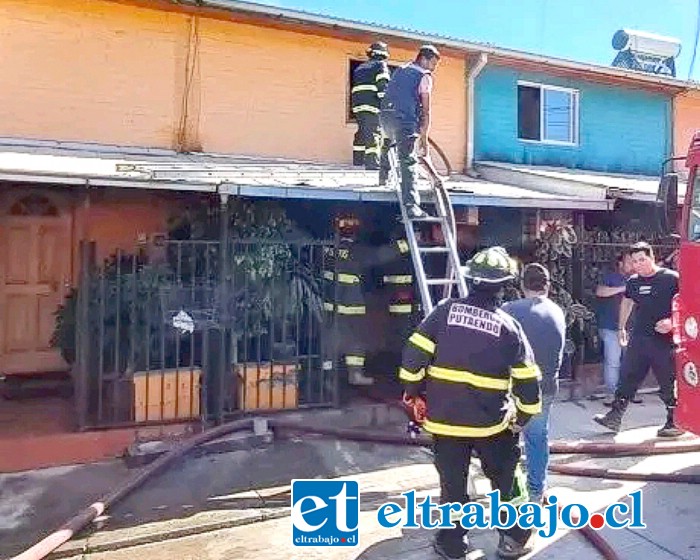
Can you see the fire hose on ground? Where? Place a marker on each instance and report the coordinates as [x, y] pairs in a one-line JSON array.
[[285, 428]]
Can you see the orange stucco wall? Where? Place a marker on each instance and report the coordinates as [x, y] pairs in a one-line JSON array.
[[120, 219], [686, 121], [96, 71]]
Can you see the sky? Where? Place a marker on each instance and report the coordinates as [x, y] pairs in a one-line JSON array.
[[580, 30]]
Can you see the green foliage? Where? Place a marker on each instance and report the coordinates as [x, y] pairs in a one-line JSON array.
[[123, 311], [268, 282]]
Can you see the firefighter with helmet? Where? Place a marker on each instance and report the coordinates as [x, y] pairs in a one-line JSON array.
[[398, 286], [369, 80], [470, 376], [344, 297]]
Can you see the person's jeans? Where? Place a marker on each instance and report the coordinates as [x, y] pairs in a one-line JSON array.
[[536, 440], [404, 136], [612, 357]]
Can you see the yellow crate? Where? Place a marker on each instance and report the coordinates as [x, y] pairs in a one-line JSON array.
[[180, 390], [266, 387]]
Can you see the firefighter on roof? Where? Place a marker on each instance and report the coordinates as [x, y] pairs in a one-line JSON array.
[[472, 368], [344, 298], [369, 81]]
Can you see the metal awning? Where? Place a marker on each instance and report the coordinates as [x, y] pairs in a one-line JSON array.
[[123, 167], [564, 181]]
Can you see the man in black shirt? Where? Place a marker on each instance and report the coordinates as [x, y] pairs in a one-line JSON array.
[[649, 292]]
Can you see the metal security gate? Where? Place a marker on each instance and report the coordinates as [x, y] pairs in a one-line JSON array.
[[197, 330]]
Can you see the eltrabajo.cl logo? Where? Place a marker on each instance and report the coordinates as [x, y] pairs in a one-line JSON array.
[[325, 512]]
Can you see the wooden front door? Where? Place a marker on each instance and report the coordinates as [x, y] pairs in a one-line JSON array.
[[35, 276]]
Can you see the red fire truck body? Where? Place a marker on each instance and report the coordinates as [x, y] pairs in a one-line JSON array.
[[686, 305]]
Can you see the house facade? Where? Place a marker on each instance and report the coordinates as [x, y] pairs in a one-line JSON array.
[[117, 78], [540, 119], [116, 117]]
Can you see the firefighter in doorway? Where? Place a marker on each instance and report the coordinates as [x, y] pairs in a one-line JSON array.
[[344, 298], [471, 368], [397, 282], [369, 81]]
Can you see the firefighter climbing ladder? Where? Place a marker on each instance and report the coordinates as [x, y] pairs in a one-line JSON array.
[[446, 220]]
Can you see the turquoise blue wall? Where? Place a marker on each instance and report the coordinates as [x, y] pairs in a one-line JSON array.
[[621, 130]]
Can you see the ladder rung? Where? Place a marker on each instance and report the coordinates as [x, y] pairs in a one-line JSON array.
[[434, 249], [440, 281], [427, 219]]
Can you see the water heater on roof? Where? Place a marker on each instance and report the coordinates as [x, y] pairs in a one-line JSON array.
[[646, 43], [646, 52]]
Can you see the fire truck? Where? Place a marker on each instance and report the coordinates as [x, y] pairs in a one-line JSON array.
[[686, 304]]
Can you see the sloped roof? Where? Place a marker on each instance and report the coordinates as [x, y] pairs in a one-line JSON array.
[[591, 184], [54, 163], [323, 20]]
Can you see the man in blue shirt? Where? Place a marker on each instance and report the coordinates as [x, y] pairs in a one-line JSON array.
[[609, 293], [405, 118], [545, 327]]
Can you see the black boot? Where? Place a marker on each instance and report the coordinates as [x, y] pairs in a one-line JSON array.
[[613, 419], [669, 429], [449, 545]]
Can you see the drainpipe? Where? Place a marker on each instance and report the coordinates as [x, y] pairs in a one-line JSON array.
[[471, 78]]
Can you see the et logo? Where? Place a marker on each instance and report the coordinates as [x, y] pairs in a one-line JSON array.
[[325, 512]]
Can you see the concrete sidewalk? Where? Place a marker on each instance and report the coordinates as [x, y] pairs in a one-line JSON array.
[[200, 509]]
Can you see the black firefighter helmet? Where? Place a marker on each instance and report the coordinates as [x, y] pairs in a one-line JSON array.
[[379, 50]]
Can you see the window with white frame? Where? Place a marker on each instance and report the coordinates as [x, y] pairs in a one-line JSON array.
[[547, 113]]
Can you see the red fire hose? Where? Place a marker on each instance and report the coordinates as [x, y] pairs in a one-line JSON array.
[[81, 520], [593, 537], [284, 427]]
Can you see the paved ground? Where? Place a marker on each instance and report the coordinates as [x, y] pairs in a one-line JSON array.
[[199, 509]]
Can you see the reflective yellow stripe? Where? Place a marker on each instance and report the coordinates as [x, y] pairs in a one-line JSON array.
[[442, 429], [354, 360], [403, 246], [358, 148], [380, 94], [365, 109], [401, 308], [422, 342], [383, 76], [398, 279], [462, 376], [529, 408], [343, 278], [410, 377], [373, 150], [364, 87], [346, 309], [526, 372]]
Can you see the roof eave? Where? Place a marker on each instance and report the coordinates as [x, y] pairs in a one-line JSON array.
[[301, 17]]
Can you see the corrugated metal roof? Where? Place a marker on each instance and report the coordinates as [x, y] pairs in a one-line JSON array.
[[561, 180], [302, 16], [74, 164]]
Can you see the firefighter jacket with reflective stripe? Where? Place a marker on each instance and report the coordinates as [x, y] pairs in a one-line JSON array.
[[476, 367], [368, 84], [401, 99], [397, 278], [342, 275]]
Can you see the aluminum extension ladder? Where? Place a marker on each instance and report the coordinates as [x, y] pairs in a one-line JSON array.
[[445, 218]]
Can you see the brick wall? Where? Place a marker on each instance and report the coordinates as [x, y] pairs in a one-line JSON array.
[[96, 71]]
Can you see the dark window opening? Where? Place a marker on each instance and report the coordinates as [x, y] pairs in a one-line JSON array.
[[547, 114], [529, 112]]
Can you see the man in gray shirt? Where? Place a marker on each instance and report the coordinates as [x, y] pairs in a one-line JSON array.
[[545, 327]]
